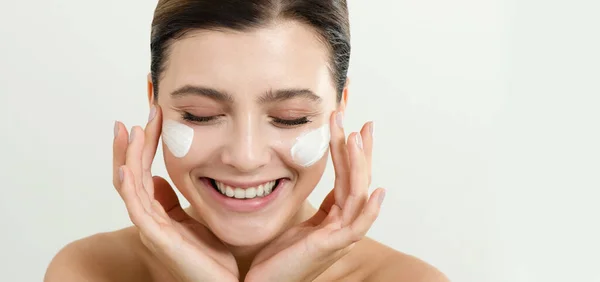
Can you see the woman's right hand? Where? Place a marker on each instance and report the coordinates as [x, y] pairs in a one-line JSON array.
[[186, 247]]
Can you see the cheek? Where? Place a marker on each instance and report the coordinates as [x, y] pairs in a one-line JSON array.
[[311, 146], [177, 137], [300, 150], [187, 146], [309, 177]]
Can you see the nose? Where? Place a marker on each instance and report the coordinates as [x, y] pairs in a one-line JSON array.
[[247, 149]]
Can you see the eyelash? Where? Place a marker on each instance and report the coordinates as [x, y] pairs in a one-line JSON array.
[[291, 122], [283, 122], [189, 117]]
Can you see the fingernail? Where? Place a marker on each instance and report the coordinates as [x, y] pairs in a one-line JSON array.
[[381, 197], [339, 119], [132, 134], [121, 174], [371, 128], [152, 113], [359, 141], [116, 129]]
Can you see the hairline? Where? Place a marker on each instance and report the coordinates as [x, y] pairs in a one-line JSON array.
[[189, 32]]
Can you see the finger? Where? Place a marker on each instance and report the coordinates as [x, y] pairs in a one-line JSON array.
[[324, 209], [154, 225], [119, 150], [133, 160], [166, 196], [137, 213], [359, 180], [358, 229], [339, 156], [328, 202], [156, 229], [333, 218], [367, 137], [151, 137]]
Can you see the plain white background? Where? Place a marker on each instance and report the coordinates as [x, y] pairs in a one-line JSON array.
[[486, 129]]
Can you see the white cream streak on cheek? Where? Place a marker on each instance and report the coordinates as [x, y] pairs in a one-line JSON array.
[[178, 137], [311, 146]]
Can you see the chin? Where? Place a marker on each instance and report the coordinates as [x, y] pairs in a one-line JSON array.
[[247, 235], [243, 210], [246, 213]]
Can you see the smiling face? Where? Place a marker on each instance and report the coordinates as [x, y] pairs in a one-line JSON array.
[[245, 115]]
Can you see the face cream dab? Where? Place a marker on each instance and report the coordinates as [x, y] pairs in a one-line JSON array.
[[311, 146], [178, 137]]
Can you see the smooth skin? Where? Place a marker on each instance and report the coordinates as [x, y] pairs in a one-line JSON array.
[[169, 243], [172, 246], [311, 247]]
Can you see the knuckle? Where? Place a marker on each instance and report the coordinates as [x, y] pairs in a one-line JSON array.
[[356, 236], [357, 233]]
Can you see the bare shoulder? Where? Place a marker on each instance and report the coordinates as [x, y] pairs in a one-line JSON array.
[[111, 256], [393, 265], [370, 260]]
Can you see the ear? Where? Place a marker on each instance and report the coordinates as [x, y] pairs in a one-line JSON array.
[[150, 90], [344, 100]]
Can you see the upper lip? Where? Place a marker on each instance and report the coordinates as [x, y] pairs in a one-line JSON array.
[[244, 184]]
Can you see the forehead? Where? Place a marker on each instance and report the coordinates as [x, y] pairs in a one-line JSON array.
[[283, 55]]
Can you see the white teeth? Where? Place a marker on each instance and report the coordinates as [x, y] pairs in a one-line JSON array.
[[248, 193], [260, 191], [240, 193], [229, 192]]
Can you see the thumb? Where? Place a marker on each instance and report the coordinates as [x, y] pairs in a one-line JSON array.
[[324, 209], [328, 202], [165, 195]]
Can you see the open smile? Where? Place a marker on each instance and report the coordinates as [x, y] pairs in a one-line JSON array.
[[244, 197], [260, 190]]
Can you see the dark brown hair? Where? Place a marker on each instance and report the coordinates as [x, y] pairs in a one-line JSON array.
[[173, 19]]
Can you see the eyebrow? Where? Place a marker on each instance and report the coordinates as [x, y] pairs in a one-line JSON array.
[[269, 97], [287, 94], [202, 91]]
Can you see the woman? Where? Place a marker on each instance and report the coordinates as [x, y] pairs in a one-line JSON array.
[[248, 97]]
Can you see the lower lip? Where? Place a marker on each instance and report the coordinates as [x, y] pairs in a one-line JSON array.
[[244, 205]]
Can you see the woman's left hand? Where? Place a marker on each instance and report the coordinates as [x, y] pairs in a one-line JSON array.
[[305, 251]]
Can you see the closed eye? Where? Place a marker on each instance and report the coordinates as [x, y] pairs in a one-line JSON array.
[[189, 117], [291, 122], [278, 121]]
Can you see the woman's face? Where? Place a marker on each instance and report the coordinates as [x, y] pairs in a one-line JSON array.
[[245, 118]]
